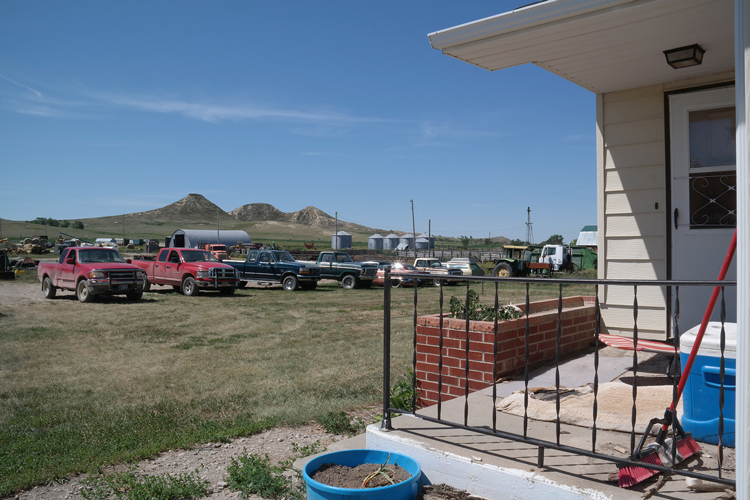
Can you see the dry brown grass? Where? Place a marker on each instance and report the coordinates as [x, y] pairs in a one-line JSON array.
[[197, 363]]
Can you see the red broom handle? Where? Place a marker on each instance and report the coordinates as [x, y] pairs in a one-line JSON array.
[[704, 323]]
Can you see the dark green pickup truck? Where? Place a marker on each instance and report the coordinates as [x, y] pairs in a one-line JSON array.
[[340, 266], [276, 266]]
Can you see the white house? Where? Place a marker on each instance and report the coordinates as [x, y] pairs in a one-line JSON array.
[[672, 180]]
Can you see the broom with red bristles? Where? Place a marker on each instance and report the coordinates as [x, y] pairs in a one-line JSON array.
[[661, 451]]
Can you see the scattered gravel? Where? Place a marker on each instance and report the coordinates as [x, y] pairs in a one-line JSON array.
[[211, 460]]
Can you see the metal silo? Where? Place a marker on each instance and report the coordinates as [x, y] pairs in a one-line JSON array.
[[422, 244], [407, 239], [430, 238], [341, 240], [390, 242], [375, 242]]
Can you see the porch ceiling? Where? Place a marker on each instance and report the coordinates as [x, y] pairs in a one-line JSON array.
[[601, 45]]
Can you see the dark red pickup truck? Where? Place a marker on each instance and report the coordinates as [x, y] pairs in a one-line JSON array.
[[91, 271], [188, 270]]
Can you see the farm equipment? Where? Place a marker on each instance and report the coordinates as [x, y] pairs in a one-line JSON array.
[[521, 261], [6, 273], [525, 260]]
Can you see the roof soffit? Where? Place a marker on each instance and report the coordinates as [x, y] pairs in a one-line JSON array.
[[604, 45]]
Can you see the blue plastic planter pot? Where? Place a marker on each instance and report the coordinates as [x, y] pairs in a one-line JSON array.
[[405, 490]]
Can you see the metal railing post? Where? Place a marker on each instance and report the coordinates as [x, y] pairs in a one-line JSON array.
[[385, 424]]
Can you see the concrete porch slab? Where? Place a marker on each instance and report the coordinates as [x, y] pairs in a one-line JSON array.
[[495, 468]]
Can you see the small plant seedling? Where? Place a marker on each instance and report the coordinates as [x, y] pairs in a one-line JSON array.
[[382, 471]]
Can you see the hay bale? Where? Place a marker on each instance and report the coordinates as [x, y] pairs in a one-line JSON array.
[[131, 246], [27, 241]]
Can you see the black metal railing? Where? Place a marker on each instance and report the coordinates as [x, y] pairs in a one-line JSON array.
[[671, 290]]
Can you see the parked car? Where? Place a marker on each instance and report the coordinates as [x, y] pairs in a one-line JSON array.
[[91, 271], [276, 266], [468, 267], [433, 265], [397, 281], [340, 266], [188, 270]]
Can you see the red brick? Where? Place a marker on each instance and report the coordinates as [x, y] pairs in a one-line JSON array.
[[429, 349], [428, 386], [427, 367], [480, 366], [449, 361], [456, 391]]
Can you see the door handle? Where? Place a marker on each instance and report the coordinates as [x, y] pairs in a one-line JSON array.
[[676, 213]]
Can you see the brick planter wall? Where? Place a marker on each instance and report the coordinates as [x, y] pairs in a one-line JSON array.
[[578, 318]]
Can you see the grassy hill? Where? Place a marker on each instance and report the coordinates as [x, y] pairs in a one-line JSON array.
[[263, 222]]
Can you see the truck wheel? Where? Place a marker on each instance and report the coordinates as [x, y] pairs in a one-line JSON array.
[[437, 282], [189, 288], [226, 291], [83, 293], [48, 288], [395, 283], [134, 296], [349, 281], [147, 285], [503, 270], [289, 283]]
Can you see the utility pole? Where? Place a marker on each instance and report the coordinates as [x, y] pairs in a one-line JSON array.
[[123, 229], [218, 239], [336, 236], [529, 231], [429, 239], [413, 234]]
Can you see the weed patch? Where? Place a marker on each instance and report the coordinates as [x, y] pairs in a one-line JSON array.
[[338, 422], [253, 474], [131, 486]]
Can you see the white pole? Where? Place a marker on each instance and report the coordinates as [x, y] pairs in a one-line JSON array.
[[742, 97]]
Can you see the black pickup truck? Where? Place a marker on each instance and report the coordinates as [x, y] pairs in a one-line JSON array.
[[276, 266]]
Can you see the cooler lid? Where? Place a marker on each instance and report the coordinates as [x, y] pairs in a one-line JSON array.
[[710, 345]]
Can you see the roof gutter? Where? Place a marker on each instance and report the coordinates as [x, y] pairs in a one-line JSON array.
[[523, 18]]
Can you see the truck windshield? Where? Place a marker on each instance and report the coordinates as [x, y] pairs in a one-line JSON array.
[[96, 255], [284, 257], [436, 263], [218, 248], [198, 256]]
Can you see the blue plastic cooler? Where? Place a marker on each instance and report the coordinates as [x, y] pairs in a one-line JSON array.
[[700, 399]]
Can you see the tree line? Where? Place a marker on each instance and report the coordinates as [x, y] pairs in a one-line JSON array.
[[76, 224]]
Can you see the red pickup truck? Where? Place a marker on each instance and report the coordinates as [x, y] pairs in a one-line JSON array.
[[188, 270], [91, 271]]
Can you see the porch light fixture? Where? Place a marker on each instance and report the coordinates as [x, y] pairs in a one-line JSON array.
[[683, 57]]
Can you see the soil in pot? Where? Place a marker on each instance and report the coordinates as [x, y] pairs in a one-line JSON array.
[[341, 476]]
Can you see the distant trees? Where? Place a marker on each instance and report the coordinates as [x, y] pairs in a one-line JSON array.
[[76, 224], [555, 239]]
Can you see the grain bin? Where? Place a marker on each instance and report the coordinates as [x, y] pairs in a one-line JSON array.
[[422, 244], [407, 239], [390, 242], [375, 242], [340, 240], [430, 238]]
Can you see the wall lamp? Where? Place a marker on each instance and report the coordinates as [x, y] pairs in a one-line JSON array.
[[683, 57]]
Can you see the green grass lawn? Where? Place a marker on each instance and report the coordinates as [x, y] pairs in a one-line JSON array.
[[87, 385]]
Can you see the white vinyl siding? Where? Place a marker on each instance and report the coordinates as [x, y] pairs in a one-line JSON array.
[[632, 204], [633, 231]]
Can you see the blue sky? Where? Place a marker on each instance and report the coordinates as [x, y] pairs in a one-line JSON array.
[[118, 107]]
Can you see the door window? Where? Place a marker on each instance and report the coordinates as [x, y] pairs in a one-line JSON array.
[[163, 256], [712, 176]]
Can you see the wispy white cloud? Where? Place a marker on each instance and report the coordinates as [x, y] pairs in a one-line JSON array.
[[33, 91], [215, 113], [436, 135]]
